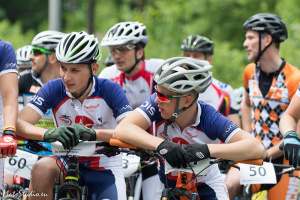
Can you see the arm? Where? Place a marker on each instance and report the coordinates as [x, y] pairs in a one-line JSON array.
[[238, 148], [291, 116], [246, 112], [9, 93], [25, 124], [132, 129]]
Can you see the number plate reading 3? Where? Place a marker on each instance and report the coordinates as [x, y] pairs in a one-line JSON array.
[[21, 164], [255, 174]]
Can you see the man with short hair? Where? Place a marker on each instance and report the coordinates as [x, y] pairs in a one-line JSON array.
[[269, 82], [78, 100]]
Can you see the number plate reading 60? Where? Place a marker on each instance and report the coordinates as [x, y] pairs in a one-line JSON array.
[[21, 164], [257, 174]]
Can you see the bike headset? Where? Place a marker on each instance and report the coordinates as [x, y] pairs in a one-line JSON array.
[[79, 48], [23, 57], [47, 40], [198, 43], [266, 23], [183, 75], [127, 33]]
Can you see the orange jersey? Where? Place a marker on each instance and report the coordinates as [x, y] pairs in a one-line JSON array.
[[266, 111]]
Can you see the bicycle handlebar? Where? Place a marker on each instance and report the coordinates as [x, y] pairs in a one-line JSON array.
[[119, 143]]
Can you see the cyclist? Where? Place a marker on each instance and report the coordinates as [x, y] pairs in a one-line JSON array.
[[269, 82], [78, 97], [44, 63], [23, 55], [180, 118], [218, 93], [288, 126], [126, 42], [8, 105]]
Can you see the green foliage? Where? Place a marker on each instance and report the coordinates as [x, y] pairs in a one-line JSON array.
[[12, 33], [168, 23]]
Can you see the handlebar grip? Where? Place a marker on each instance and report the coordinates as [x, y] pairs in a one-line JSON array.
[[118, 143], [252, 162]]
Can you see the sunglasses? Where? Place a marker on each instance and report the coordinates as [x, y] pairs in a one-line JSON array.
[[36, 51], [166, 98], [121, 49]]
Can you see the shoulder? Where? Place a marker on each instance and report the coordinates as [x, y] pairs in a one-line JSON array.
[[109, 72], [55, 85], [152, 64], [6, 48], [292, 76], [25, 75], [249, 69], [7, 57], [106, 87], [222, 86]]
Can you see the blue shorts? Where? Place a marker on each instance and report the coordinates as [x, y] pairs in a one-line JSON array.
[[100, 184]]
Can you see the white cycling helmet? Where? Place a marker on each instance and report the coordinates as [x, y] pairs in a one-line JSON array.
[[78, 47], [47, 39], [183, 75], [23, 55], [124, 33]]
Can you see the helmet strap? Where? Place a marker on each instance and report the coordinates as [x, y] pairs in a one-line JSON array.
[[90, 81], [136, 62], [260, 51], [178, 111]]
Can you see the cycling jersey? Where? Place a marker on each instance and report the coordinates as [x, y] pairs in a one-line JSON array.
[[230, 101], [217, 98], [7, 65], [28, 87], [28, 84], [266, 111], [138, 87], [105, 106], [210, 127]]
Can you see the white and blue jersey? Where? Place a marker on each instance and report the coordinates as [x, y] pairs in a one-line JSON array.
[[210, 127], [105, 105]]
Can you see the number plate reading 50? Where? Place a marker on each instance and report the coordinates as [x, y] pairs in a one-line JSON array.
[[257, 174]]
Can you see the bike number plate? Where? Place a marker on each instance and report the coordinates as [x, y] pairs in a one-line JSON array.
[[257, 174], [87, 148], [21, 164]]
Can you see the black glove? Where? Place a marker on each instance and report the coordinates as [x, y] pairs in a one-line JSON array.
[[291, 148], [66, 135], [180, 156], [196, 152], [86, 134], [172, 152]]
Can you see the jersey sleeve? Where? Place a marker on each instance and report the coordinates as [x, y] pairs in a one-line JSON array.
[[149, 109], [44, 99], [293, 84], [215, 125], [116, 99], [7, 58], [248, 73]]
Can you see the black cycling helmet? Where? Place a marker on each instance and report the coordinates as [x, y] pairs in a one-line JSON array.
[[198, 43], [267, 23]]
